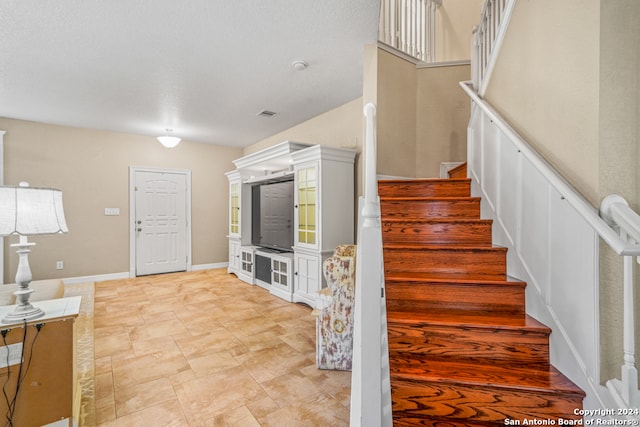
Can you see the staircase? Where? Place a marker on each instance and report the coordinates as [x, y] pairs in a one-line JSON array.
[[462, 350]]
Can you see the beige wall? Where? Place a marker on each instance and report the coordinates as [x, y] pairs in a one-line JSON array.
[[340, 127], [91, 167], [422, 116], [568, 79], [455, 20], [396, 115], [545, 84], [442, 114], [619, 149], [370, 74]]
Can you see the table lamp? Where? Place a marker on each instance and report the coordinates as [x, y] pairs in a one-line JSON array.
[[28, 211]]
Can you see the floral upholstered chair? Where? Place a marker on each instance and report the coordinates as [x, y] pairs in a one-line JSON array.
[[334, 324]]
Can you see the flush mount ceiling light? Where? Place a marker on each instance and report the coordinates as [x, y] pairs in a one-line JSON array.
[[169, 140], [299, 65]]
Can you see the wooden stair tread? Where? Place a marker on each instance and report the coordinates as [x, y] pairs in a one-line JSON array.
[[459, 171], [439, 220], [539, 379], [424, 180], [408, 295], [408, 421], [429, 207], [425, 187], [462, 350], [428, 198], [437, 231], [452, 278], [439, 247], [466, 319]]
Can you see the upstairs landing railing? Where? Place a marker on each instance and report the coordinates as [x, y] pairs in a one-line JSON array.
[[370, 381], [487, 39], [409, 26]]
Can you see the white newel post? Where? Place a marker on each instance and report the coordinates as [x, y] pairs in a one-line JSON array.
[[370, 388]]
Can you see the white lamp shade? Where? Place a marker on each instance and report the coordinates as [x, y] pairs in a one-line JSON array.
[[169, 141], [31, 210]]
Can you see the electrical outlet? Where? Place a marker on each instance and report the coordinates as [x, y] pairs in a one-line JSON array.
[[112, 211], [59, 265]]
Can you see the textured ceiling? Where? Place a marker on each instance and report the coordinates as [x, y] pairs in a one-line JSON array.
[[204, 68]]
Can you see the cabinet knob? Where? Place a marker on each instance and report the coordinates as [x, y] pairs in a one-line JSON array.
[[295, 206], [295, 274]]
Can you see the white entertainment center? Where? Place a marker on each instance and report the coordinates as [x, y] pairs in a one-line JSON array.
[[322, 216]]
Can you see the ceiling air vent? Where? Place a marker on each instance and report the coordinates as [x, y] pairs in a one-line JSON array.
[[266, 113]]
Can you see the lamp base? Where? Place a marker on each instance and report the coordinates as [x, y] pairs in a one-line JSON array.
[[23, 312]]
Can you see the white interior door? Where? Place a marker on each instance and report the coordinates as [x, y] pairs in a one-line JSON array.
[[160, 222]]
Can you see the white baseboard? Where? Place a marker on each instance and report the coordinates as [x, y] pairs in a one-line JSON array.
[[125, 275], [96, 278], [211, 266]]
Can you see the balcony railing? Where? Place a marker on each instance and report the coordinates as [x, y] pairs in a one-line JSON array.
[[487, 39], [409, 26]]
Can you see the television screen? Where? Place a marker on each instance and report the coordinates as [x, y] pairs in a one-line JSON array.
[[272, 215]]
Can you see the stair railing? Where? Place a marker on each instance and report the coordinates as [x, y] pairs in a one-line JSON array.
[[370, 381], [616, 211], [487, 39], [409, 26], [558, 249]]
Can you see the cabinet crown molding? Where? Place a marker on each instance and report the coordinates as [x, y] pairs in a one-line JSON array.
[[276, 157]]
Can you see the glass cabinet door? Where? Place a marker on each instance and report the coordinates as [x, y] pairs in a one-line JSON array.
[[307, 209], [247, 261], [280, 273], [234, 208]]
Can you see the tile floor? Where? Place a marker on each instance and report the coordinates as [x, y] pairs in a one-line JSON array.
[[205, 349]]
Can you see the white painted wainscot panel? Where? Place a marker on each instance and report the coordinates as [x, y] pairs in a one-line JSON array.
[[551, 247]]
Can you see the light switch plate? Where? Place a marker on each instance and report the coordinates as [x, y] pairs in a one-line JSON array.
[[111, 211]]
